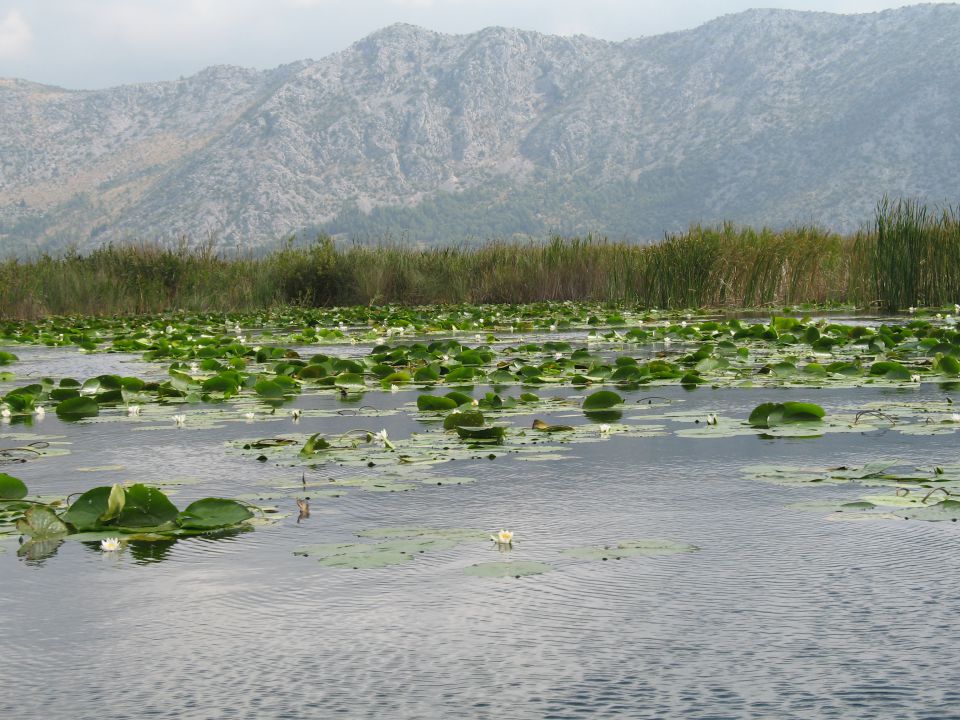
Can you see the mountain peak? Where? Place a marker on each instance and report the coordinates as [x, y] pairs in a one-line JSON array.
[[399, 32]]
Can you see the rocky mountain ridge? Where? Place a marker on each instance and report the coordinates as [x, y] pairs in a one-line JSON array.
[[764, 117]]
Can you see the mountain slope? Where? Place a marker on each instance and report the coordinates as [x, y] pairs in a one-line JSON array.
[[766, 117]]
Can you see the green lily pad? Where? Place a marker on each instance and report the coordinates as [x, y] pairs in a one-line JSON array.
[[490, 433], [146, 507], [433, 403], [352, 382], [85, 512], [314, 444], [77, 408], [210, 513], [11, 488], [601, 400], [768, 415], [472, 418]]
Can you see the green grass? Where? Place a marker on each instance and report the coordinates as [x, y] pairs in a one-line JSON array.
[[910, 257]]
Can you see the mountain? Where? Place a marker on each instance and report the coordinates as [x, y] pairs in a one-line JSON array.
[[763, 117]]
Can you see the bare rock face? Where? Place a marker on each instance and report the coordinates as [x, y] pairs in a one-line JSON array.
[[765, 117]]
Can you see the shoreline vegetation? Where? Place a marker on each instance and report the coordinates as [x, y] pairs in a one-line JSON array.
[[911, 256]]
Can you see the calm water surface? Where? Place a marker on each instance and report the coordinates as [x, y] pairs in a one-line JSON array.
[[782, 614]]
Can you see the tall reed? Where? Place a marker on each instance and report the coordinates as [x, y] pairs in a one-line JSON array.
[[910, 257], [916, 255]]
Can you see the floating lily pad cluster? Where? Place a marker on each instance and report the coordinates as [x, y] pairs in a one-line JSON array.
[[397, 545], [136, 513], [912, 493]]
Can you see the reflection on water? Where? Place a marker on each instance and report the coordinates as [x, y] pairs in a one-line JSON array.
[[782, 614]]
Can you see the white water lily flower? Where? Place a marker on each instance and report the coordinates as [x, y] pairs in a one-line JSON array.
[[503, 538], [915, 378], [604, 429], [558, 356], [249, 415], [194, 367], [5, 412], [478, 338], [956, 309], [236, 328], [394, 388], [553, 328], [110, 544], [169, 329], [133, 410], [39, 411], [666, 340], [381, 439], [179, 420], [296, 413], [475, 402], [241, 339], [712, 419], [683, 323], [955, 418], [939, 316], [911, 310]]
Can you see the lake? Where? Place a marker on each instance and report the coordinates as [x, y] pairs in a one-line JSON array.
[[766, 599]]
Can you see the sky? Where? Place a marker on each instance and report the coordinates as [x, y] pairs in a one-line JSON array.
[[100, 43]]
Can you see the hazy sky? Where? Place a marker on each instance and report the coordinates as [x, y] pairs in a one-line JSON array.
[[98, 43]]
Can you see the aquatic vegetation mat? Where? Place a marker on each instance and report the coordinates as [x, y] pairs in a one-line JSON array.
[[514, 383], [116, 513], [911, 493]]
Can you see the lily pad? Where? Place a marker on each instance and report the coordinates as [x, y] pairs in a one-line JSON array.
[[490, 433], [601, 400], [146, 507], [363, 556], [948, 510], [41, 523], [78, 408], [11, 488], [461, 534], [515, 569], [630, 548], [210, 513], [434, 403]]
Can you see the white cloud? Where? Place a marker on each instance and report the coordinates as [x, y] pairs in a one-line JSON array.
[[15, 36]]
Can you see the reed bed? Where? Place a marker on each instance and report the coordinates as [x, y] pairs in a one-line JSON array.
[[911, 256]]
